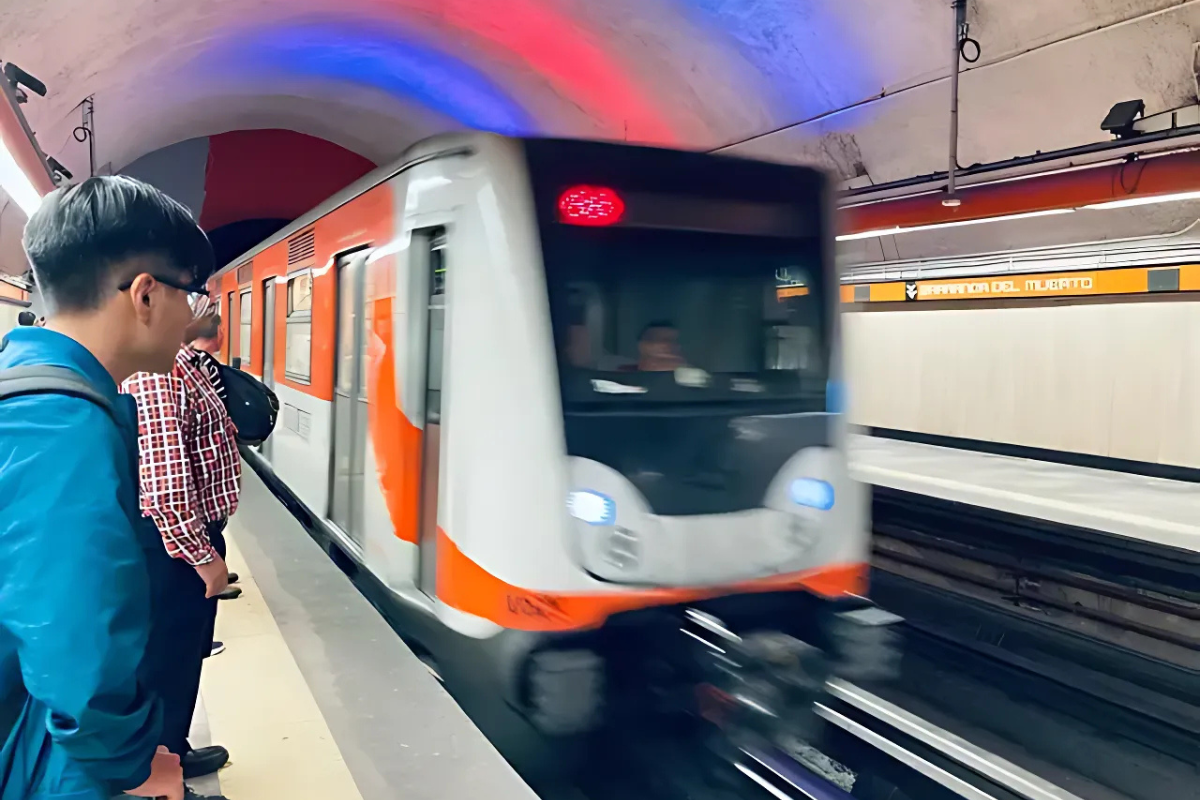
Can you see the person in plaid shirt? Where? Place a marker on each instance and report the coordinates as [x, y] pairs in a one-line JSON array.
[[190, 478]]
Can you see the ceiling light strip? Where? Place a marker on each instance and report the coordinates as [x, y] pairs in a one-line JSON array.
[[846, 237], [16, 183]]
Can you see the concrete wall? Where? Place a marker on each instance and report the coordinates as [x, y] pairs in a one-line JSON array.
[[177, 170], [1120, 380]]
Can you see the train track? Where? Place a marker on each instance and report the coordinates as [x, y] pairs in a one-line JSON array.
[[1042, 637], [1134, 595]]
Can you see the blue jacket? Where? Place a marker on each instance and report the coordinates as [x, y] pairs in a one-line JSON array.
[[74, 588]]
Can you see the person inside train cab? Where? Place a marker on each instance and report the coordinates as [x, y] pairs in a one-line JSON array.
[[115, 261], [658, 348], [190, 484]]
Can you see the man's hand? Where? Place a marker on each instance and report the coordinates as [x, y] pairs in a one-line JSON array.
[[215, 575], [166, 777]]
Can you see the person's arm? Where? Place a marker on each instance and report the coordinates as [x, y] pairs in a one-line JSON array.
[[168, 489], [76, 592]]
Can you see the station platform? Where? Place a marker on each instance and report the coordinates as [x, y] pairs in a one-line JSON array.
[[315, 696], [1145, 509]]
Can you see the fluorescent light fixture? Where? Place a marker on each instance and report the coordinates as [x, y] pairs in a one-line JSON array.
[[1145, 201], [16, 183], [955, 224]]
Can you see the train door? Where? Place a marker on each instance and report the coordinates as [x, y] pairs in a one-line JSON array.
[[429, 265], [349, 408], [268, 347]]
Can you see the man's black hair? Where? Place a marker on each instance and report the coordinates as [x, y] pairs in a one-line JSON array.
[[656, 324], [26, 319], [80, 234]]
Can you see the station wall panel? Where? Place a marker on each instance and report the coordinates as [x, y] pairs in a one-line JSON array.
[[1116, 380]]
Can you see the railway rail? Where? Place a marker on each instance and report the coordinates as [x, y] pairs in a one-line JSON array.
[[1038, 634]]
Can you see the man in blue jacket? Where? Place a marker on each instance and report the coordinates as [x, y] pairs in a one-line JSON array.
[[117, 263]]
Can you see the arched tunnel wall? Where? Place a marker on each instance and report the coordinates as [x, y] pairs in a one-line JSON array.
[[1114, 379]]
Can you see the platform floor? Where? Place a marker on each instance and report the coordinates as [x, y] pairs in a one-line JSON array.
[[315, 696], [1147, 509]]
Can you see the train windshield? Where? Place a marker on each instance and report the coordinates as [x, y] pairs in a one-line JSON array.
[[660, 316], [683, 278]]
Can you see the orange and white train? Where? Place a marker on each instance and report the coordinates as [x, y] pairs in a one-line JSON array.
[[537, 387]]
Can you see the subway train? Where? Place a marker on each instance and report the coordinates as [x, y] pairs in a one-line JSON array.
[[558, 398]]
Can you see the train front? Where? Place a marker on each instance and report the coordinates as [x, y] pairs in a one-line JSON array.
[[694, 303]]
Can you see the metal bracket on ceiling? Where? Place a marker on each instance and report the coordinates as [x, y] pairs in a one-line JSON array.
[[86, 131], [13, 83], [961, 30]]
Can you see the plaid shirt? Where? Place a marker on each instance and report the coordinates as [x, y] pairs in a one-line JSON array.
[[190, 467]]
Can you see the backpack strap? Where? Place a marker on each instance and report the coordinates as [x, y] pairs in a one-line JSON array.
[[41, 379], [21, 382]]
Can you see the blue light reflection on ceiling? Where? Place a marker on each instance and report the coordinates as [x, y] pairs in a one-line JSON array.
[[383, 59], [802, 52]]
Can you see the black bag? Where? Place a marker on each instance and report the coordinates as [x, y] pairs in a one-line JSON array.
[[252, 406]]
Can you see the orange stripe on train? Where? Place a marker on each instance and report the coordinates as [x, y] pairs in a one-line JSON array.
[[466, 586]]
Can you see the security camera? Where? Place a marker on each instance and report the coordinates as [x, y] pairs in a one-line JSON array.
[[20, 78], [61, 173]]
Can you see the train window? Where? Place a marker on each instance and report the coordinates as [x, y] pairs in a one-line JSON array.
[[686, 316], [297, 346], [245, 314], [346, 327], [368, 333], [437, 325], [227, 323]]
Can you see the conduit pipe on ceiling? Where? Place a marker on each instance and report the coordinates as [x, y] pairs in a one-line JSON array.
[[960, 21], [1161, 179]]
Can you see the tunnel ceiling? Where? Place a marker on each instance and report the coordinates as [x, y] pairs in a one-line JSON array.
[[857, 85]]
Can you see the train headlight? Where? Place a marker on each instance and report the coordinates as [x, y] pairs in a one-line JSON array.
[[811, 493], [592, 507]]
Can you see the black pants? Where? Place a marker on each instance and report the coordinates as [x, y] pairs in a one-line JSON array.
[[181, 635]]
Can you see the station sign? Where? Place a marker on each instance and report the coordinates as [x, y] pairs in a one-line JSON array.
[[1137, 280]]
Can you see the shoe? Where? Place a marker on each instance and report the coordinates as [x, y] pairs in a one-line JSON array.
[[231, 593], [217, 648], [190, 794], [205, 761], [233, 577]]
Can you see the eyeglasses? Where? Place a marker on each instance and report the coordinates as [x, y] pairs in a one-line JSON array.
[[197, 295]]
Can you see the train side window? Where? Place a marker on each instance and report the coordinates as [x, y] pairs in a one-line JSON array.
[[227, 321], [218, 302], [437, 325], [245, 314], [347, 273], [297, 346], [368, 313]]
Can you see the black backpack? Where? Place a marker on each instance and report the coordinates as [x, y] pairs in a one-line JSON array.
[[253, 407]]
